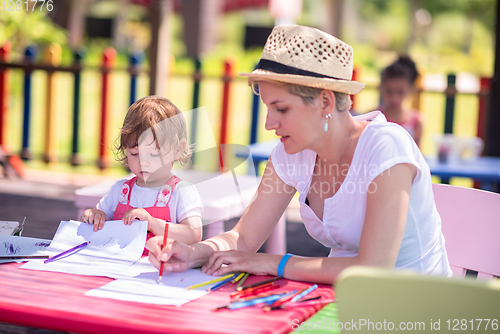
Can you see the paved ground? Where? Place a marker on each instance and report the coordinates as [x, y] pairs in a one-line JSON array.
[[46, 198]]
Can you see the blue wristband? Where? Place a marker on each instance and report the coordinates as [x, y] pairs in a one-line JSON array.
[[281, 266]]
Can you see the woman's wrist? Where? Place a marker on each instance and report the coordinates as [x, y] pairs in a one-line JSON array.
[[200, 255], [280, 272]]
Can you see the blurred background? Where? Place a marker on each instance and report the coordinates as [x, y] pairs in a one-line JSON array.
[[69, 69]]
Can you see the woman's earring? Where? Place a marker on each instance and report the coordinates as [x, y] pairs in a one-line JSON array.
[[326, 122]]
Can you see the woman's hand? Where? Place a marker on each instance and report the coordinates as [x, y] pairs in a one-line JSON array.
[[94, 216], [176, 255], [224, 262]]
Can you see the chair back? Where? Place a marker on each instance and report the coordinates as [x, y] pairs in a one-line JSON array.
[[385, 300], [471, 228]]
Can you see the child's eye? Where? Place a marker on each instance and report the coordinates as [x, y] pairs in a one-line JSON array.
[[282, 110], [154, 155]]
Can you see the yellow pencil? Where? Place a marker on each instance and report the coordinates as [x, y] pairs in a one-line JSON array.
[[209, 282], [238, 278]]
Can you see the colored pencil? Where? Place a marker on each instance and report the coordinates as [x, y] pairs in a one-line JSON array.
[[260, 295], [308, 303], [243, 279], [254, 301], [20, 257], [66, 252], [304, 293], [258, 283], [222, 283], [238, 277], [308, 299], [165, 237], [276, 305], [269, 299], [254, 288], [255, 291], [218, 279]]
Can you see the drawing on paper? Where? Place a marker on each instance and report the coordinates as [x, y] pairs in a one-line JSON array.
[[42, 244], [11, 248]]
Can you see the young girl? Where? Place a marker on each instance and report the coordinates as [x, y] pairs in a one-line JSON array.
[[152, 138], [396, 85]]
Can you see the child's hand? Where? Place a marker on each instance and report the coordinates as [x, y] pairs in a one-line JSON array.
[[94, 216], [134, 214]]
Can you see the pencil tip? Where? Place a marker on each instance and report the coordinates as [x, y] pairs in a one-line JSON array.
[[159, 280]]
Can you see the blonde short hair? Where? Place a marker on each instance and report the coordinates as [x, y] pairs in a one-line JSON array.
[[309, 94]]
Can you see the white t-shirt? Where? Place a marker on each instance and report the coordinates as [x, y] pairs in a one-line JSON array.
[[184, 202], [381, 146]]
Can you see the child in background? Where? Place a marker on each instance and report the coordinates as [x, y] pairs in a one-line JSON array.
[[153, 137], [397, 83]]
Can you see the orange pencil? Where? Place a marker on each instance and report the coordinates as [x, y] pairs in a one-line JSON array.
[[261, 283], [256, 291], [165, 237], [277, 304]]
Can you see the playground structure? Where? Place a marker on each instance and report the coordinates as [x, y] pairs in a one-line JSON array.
[[51, 66]]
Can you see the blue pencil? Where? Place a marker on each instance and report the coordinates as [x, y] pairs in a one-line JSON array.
[[267, 299], [304, 293], [57, 256], [220, 284]]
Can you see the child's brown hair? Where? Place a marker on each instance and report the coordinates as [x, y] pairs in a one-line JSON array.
[[150, 112]]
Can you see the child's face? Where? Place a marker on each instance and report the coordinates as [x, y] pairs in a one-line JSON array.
[[394, 91], [151, 165]]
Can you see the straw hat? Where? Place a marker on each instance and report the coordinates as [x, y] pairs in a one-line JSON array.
[[306, 56]]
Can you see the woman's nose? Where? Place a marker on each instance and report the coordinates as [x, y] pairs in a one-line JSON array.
[[271, 123]]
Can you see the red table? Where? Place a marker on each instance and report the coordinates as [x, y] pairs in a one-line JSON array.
[[56, 301]]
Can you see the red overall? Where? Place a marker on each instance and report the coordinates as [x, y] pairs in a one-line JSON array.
[[159, 210]]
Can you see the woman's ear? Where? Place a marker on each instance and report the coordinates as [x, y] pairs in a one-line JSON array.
[[327, 99]]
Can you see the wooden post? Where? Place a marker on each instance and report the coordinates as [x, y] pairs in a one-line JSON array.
[[108, 59], [78, 55], [484, 93], [226, 94], [418, 88], [354, 78], [450, 92], [4, 93], [196, 100], [52, 56], [255, 117], [29, 58], [159, 51], [134, 61]]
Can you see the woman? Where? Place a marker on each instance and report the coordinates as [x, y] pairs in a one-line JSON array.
[[365, 189]]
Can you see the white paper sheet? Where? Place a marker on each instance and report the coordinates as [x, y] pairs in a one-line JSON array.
[[16, 246], [8, 227], [144, 287], [112, 249]]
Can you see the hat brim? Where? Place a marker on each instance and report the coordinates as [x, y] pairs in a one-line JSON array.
[[342, 86]]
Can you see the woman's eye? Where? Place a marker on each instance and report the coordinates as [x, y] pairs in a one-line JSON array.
[[154, 155], [282, 110], [134, 154]]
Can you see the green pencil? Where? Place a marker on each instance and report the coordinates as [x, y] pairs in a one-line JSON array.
[[243, 280]]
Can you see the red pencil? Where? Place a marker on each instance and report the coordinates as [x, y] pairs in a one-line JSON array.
[[277, 304], [165, 237], [256, 291]]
